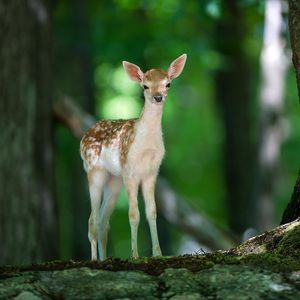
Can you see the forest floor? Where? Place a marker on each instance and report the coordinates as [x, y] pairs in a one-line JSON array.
[[264, 267]]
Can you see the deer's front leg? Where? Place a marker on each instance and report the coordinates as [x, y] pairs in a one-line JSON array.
[[148, 186], [134, 214]]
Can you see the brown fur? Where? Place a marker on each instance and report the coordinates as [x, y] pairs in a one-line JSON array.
[[106, 133], [155, 75]]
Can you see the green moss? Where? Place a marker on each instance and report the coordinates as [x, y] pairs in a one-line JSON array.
[[277, 261], [272, 261], [290, 243], [220, 257]]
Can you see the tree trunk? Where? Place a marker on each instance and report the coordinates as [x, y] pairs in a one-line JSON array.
[[293, 209], [74, 200], [27, 218], [79, 199], [274, 65], [234, 101], [294, 27]]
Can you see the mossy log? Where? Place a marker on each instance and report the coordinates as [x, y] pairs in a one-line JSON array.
[[264, 267]]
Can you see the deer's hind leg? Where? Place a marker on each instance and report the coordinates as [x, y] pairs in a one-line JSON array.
[[111, 192], [97, 178]]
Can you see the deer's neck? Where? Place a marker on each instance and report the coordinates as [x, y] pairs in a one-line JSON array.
[[150, 119]]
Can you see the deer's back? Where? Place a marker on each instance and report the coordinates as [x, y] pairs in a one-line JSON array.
[[107, 144]]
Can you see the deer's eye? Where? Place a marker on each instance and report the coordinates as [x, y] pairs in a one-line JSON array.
[[168, 85], [145, 87]]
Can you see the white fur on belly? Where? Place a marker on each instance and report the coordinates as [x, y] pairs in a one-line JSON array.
[[110, 160]]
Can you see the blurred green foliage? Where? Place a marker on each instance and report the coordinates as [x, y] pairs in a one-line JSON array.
[[151, 34]]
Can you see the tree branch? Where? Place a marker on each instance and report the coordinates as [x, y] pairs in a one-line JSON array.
[[179, 213], [75, 119]]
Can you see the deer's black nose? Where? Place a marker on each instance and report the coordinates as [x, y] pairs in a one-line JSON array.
[[158, 98]]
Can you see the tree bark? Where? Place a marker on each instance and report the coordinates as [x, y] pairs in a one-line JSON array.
[[27, 216]]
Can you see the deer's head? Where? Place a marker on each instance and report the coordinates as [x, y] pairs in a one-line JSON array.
[[155, 82]]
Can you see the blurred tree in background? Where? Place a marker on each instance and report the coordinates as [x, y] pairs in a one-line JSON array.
[[213, 123], [27, 217], [235, 101]]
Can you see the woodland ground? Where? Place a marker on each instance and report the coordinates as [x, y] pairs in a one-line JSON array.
[[264, 267]]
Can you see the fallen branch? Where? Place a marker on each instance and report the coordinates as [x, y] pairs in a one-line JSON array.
[[179, 213], [172, 207]]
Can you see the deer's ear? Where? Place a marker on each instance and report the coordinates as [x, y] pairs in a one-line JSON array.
[[133, 71], [177, 66]]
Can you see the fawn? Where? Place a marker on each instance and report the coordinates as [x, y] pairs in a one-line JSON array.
[[130, 151]]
